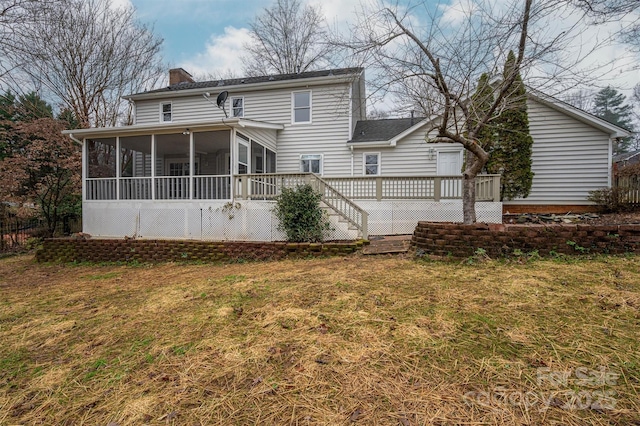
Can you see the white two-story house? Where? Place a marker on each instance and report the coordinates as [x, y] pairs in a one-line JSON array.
[[204, 160]]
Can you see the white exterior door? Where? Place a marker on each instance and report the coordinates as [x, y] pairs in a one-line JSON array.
[[450, 164]]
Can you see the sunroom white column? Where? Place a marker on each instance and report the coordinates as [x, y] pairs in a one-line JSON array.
[[192, 169], [118, 171], [85, 174], [153, 167]]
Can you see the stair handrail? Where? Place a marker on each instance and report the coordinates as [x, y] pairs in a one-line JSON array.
[[349, 210]]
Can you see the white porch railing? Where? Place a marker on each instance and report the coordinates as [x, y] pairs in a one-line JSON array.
[[268, 186], [101, 189], [138, 188], [212, 187], [434, 188], [172, 187]]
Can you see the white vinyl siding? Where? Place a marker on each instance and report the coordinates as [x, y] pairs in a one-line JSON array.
[[412, 156], [327, 135], [569, 159]]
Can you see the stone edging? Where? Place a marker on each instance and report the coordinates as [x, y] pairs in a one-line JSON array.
[[460, 241], [108, 250]]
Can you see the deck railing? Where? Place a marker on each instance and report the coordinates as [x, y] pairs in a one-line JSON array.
[[101, 189], [212, 187], [138, 188], [269, 186], [434, 188]]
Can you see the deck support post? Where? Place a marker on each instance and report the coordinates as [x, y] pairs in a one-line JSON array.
[[496, 188], [437, 188], [379, 188]]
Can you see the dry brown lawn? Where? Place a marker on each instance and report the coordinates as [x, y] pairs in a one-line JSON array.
[[357, 340]]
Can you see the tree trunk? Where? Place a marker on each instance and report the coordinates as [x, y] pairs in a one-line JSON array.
[[474, 166]]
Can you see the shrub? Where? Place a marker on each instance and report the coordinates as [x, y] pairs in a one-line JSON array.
[[610, 200], [300, 215]]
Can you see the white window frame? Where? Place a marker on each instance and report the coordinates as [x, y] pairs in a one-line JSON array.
[[294, 108], [233, 109], [364, 163], [320, 166], [183, 161], [162, 112]]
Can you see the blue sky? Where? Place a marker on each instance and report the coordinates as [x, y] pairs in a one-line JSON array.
[[206, 36], [187, 26]]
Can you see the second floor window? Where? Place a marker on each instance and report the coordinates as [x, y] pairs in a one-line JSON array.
[[302, 107], [237, 105], [165, 112]]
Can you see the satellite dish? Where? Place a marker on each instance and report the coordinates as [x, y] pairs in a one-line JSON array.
[[222, 97]]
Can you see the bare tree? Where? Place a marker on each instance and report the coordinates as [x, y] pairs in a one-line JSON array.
[[602, 11], [86, 54], [581, 98], [287, 38], [434, 59]]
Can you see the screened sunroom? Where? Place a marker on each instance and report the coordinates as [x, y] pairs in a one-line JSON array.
[[186, 164]]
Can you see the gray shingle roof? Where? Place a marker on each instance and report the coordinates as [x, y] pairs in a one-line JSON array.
[[254, 80], [625, 156], [382, 130]]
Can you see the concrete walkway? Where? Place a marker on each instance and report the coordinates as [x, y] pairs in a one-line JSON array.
[[388, 244]]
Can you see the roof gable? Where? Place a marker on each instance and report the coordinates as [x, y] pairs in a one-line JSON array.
[[611, 129], [385, 130]]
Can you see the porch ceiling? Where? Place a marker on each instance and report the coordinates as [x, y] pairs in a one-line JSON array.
[[160, 128]]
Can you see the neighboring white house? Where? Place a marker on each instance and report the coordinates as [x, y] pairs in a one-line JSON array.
[[189, 169]]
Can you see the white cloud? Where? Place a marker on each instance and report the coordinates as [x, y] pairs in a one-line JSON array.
[[457, 12], [121, 4], [222, 53]]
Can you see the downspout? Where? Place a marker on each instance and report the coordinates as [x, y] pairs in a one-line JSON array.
[[73, 138], [610, 163], [351, 149]]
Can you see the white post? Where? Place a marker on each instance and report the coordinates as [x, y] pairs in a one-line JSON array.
[[118, 172], [192, 162], [85, 174], [153, 167]]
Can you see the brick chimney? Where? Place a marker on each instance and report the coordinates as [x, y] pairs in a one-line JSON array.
[[178, 75]]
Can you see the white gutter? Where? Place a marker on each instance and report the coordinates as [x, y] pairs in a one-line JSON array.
[[73, 138], [370, 144], [160, 128]]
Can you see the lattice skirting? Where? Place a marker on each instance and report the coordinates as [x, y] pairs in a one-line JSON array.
[[215, 221], [254, 220], [402, 216]]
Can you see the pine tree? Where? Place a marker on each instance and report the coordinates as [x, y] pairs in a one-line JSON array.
[[610, 105], [511, 151], [481, 101]]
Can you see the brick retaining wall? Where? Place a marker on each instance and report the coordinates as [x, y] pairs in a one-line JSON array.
[[457, 240], [98, 250]]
